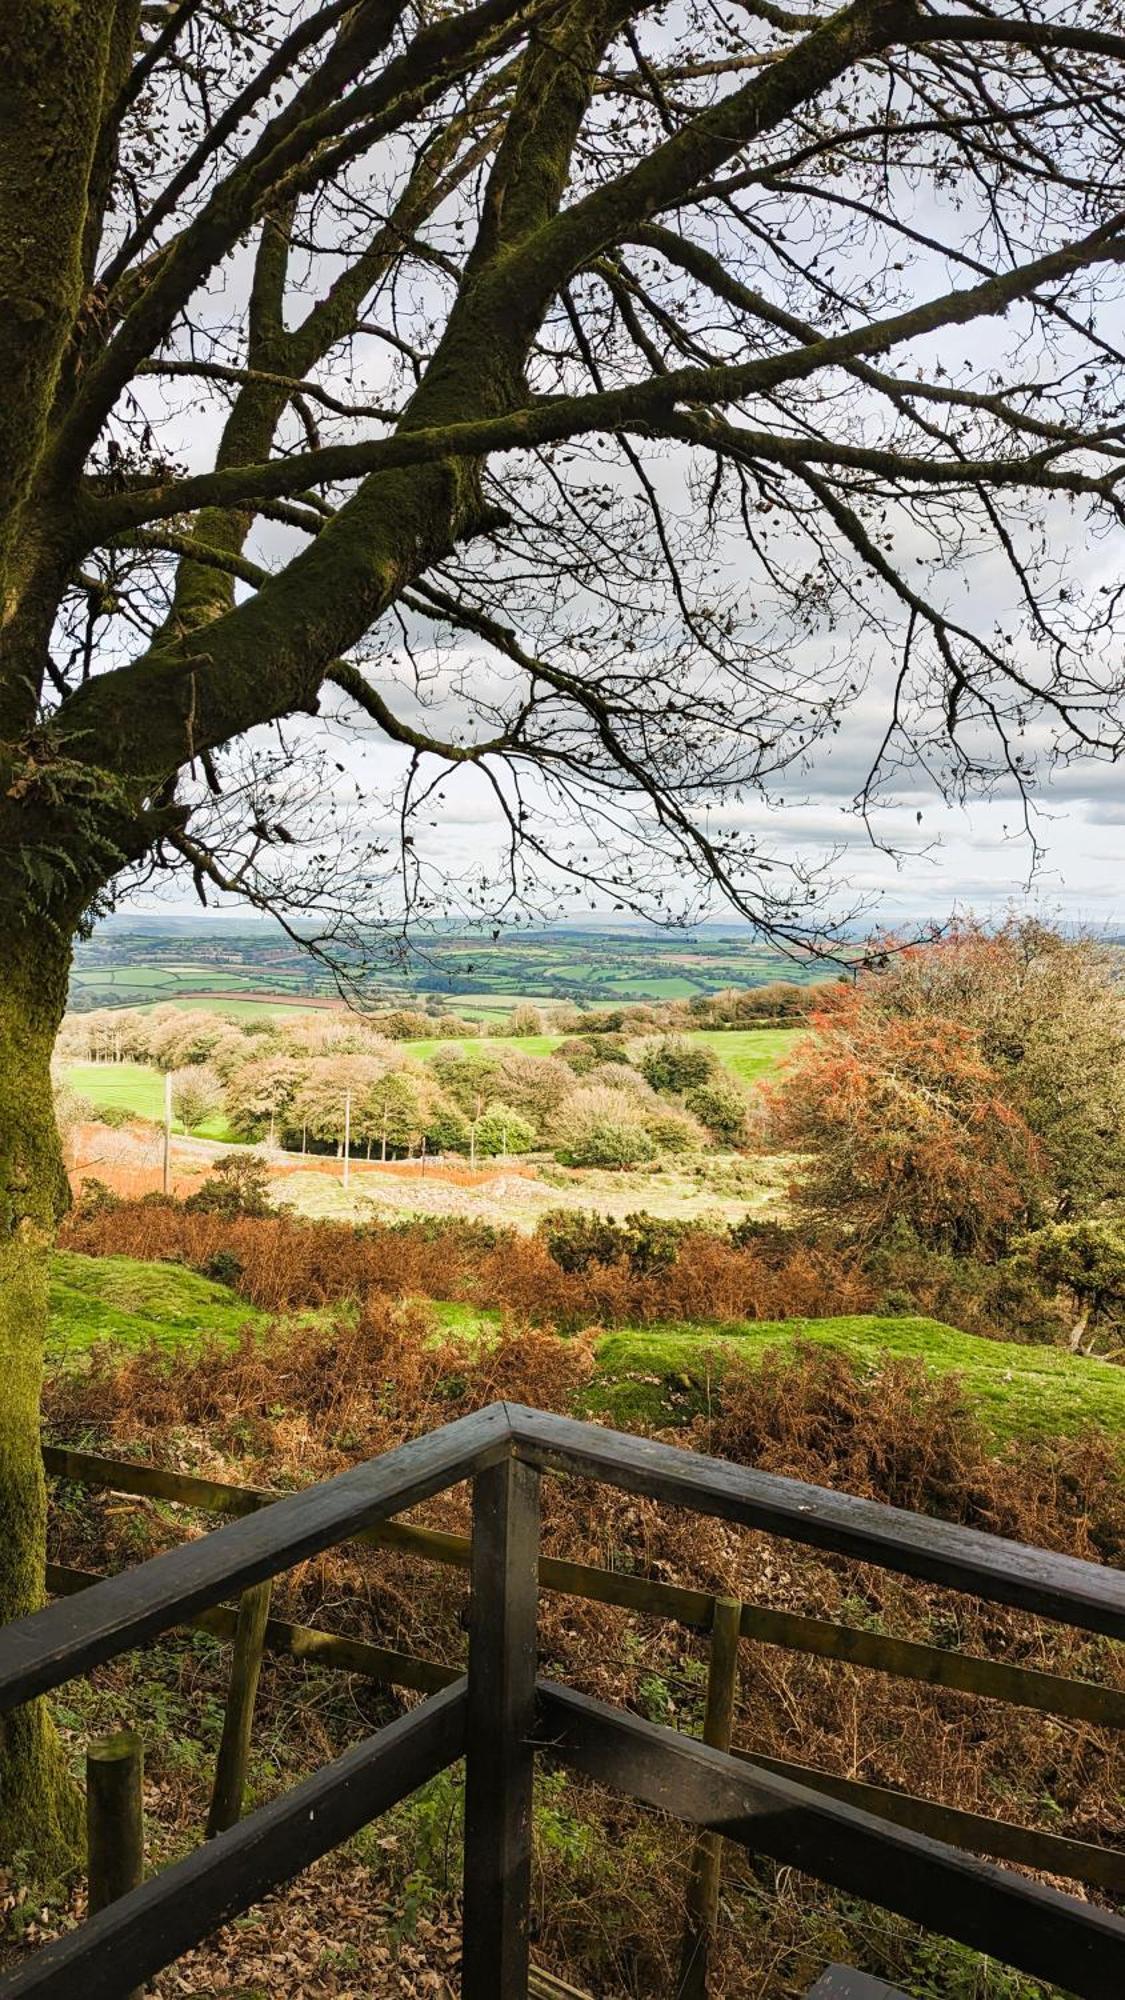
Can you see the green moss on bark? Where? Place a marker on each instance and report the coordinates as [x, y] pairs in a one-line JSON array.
[[39, 1809]]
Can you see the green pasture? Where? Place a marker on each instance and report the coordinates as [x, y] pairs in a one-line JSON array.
[[529, 1045], [132, 1087], [750, 1052]]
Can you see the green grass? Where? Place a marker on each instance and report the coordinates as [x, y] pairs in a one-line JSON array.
[[750, 1052], [1019, 1391], [123, 1086], [135, 1088], [528, 1045], [131, 1303]]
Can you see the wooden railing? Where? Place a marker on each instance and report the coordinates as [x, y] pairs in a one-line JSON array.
[[868, 1841]]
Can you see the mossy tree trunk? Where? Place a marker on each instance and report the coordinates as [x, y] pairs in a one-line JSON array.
[[39, 1809]]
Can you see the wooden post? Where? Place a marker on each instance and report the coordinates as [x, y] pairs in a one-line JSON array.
[[167, 1131], [238, 1721], [706, 1863], [115, 1839], [499, 1761]]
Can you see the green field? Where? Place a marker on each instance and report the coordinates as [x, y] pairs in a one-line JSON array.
[[135, 1088], [529, 1045], [653, 1374], [750, 1052]]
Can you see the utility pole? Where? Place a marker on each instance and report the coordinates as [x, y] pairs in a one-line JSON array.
[[347, 1132], [167, 1131]]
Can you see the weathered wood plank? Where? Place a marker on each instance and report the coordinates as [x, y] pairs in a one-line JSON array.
[[706, 1865], [908, 1659], [1085, 1594], [298, 1642], [1038, 1930], [961, 1673], [233, 1760], [500, 1757], [144, 1931], [978, 1833], [74, 1634]]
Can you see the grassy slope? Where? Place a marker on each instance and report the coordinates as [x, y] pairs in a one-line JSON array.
[[1019, 1391], [657, 1373], [131, 1303]]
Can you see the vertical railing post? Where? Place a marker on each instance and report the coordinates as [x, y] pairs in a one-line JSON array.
[[238, 1720], [115, 1839], [706, 1862], [499, 1760]]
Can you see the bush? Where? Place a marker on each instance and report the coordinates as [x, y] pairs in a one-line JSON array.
[[224, 1268], [577, 1239], [238, 1185], [95, 1198], [1086, 1260], [722, 1106], [585, 1052], [602, 1128], [674, 1130], [675, 1065]]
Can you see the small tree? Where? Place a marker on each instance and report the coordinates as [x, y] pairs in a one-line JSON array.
[[501, 1130], [196, 1096], [904, 1122], [602, 1128]]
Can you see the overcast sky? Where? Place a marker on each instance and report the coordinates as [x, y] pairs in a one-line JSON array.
[[945, 857]]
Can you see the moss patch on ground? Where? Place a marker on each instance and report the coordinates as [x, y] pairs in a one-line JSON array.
[[131, 1303], [664, 1374]]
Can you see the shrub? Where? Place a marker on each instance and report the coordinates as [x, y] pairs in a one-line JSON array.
[[96, 1198], [577, 1239], [602, 1128], [238, 1185], [1086, 1260], [677, 1065], [585, 1052], [722, 1106]]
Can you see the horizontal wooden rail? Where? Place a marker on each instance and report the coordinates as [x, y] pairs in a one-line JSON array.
[[1079, 1593], [802, 1824], [296, 1642], [145, 1930], [1049, 1935], [1000, 1839], [75, 1633], [907, 1659], [1052, 1853]]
